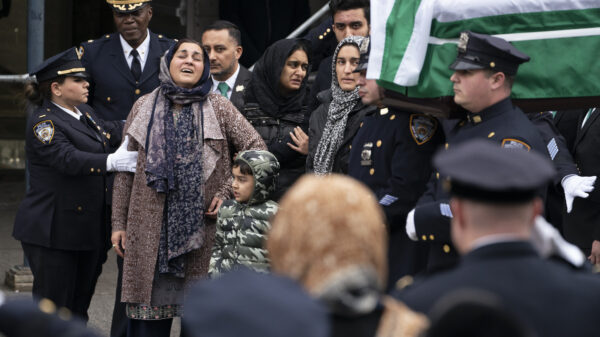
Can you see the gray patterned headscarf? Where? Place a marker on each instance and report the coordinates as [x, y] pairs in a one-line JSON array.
[[343, 102]]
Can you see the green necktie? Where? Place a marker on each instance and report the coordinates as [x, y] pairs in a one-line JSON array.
[[223, 88]]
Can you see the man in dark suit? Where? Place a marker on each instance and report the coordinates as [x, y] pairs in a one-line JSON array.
[[222, 41], [582, 225], [495, 199], [123, 66]]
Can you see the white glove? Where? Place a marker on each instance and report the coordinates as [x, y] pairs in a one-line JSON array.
[[410, 225], [576, 186], [122, 160], [548, 241]]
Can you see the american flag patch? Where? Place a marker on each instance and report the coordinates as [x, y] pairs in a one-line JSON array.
[[552, 148], [387, 200], [445, 210]]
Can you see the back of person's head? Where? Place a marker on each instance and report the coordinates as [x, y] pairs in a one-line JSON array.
[[264, 168], [36, 93], [250, 304], [344, 5], [232, 29], [474, 313], [329, 235]]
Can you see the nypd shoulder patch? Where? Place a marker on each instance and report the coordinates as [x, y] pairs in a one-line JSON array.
[[44, 131], [511, 143], [422, 128]]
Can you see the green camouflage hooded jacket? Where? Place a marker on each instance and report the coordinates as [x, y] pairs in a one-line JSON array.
[[242, 227]]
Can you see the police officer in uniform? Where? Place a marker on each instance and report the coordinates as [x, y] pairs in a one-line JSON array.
[[484, 71], [123, 66], [391, 153], [61, 222], [495, 199]]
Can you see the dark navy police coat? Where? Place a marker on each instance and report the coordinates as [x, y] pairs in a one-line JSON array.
[[65, 205]]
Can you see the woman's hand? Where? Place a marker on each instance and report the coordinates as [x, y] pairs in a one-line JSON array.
[[300, 140], [118, 242], [213, 209]]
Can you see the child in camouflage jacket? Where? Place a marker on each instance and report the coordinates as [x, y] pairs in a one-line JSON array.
[[243, 222]]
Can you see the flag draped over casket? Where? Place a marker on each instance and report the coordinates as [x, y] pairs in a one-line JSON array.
[[414, 41]]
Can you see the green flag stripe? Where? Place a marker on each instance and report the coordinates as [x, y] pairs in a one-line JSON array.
[[396, 40], [547, 75], [519, 23]]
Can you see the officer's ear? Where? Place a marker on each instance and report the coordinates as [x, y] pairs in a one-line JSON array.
[[497, 80], [238, 52]]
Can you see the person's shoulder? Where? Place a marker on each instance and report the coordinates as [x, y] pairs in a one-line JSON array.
[[91, 47], [164, 42], [228, 209]]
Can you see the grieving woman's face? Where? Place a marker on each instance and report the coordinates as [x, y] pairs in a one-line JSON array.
[[346, 62], [187, 65], [293, 72]]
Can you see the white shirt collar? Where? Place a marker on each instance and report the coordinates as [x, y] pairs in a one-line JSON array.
[[230, 82], [76, 114], [142, 49]]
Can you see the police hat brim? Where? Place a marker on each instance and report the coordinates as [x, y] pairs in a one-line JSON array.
[[464, 64], [81, 74]]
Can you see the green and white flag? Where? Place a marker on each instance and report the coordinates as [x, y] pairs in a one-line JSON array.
[[414, 42]]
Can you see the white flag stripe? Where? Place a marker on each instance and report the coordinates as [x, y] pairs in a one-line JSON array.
[[448, 10], [378, 26], [554, 34]]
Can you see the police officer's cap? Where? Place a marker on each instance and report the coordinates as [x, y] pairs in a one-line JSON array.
[[66, 63], [127, 6], [480, 51], [246, 303], [365, 50], [484, 171]]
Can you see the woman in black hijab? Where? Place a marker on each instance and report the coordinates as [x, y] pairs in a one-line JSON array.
[[276, 106]]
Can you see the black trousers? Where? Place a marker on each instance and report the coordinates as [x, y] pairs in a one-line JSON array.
[[118, 326], [66, 277], [158, 328]]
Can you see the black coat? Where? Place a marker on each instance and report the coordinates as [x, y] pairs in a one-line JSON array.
[[553, 299], [113, 89], [502, 123], [391, 154], [65, 205], [582, 225], [241, 83], [315, 130]]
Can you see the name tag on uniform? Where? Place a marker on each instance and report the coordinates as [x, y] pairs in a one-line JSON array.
[[365, 155]]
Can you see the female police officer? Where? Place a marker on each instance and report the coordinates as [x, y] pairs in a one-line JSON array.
[[62, 222]]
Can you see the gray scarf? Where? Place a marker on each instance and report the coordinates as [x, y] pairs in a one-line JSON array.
[[343, 102]]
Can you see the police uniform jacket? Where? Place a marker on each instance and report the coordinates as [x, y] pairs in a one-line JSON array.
[[65, 205], [391, 153], [113, 89], [582, 225], [552, 298], [502, 123], [317, 122]]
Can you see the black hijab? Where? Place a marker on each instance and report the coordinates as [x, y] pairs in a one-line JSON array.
[[264, 83]]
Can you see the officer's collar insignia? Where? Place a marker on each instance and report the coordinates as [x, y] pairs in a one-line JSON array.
[[422, 128], [44, 131], [511, 143], [79, 52], [475, 119], [239, 88], [462, 42], [384, 111]]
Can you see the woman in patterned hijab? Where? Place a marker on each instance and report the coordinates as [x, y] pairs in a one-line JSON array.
[[335, 122]]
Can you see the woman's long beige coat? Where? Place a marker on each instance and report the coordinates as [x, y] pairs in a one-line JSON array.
[[138, 209]]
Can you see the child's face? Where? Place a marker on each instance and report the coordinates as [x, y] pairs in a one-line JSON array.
[[243, 185]]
